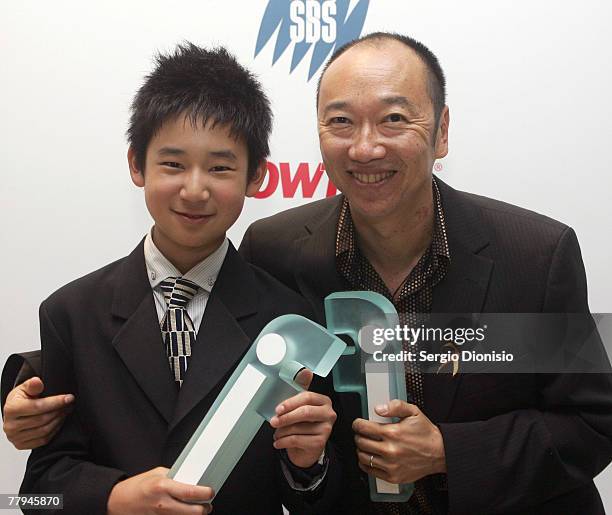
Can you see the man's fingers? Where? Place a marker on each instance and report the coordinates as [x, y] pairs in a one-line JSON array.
[[369, 429], [13, 424], [378, 462], [29, 407], [44, 431], [33, 386], [27, 444], [397, 408], [307, 413], [304, 378], [369, 446], [30, 444], [376, 472]]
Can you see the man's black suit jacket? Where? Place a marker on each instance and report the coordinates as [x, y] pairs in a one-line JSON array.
[[513, 443], [101, 340]]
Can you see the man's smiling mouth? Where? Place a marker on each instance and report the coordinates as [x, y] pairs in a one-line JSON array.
[[372, 178]]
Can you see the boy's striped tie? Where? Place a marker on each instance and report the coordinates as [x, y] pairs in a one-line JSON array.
[[177, 328]]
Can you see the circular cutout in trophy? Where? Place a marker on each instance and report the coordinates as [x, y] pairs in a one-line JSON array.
[[271, 349]]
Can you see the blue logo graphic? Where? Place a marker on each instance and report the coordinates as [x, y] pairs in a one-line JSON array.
[[322, 23]]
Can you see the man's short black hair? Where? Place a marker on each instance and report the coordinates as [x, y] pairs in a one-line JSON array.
[[206, 86], [436, 83]]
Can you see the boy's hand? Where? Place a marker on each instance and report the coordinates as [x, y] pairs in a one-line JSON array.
[[153, 493], [30, 422], [303, 424]]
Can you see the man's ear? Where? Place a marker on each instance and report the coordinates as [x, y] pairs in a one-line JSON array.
[[255, 182], [136, 174], [442, 134]]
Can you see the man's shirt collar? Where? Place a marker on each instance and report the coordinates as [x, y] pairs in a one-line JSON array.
[[350, 262]]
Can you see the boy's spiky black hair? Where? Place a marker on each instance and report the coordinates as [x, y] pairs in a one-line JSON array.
[[206, 86]]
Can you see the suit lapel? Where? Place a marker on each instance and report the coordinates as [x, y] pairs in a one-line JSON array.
[[138, 342], [463, 289], [315, 270], [221, 342]]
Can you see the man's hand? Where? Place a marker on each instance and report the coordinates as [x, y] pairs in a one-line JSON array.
[[303, 424], [30, 422], [402, 452], [153, 493]]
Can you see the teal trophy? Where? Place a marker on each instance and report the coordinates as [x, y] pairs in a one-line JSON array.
[[263, 379], [362, 369]]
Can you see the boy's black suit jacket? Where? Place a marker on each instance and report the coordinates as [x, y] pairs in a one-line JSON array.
[[514, 443], [101, 340]]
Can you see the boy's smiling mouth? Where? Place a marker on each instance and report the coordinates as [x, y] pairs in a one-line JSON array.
[[192, 217]]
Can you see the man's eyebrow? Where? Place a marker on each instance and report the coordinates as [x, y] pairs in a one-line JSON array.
[[223, 154], [399, 100], [170, 151], [335, 106]]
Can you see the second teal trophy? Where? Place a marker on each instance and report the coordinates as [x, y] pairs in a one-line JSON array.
[[358, 314]]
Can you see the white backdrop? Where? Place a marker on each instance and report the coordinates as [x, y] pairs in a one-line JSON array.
[[528, 85]]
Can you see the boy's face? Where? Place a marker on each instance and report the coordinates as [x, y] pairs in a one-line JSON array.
[[195, 182]]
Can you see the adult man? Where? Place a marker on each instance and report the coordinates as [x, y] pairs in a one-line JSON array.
[[507, 443], [499, 444]]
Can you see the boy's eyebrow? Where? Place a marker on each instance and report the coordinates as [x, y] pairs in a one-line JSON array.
[[175, 151], [170, 151], [225, 154]]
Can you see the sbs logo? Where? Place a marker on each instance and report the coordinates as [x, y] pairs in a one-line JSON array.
[[311, 21], [322, 24]]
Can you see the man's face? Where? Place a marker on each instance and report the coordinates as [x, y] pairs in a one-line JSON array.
[[195, 181], [376, 129]]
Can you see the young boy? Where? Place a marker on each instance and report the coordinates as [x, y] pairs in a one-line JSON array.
[[146, 343]]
